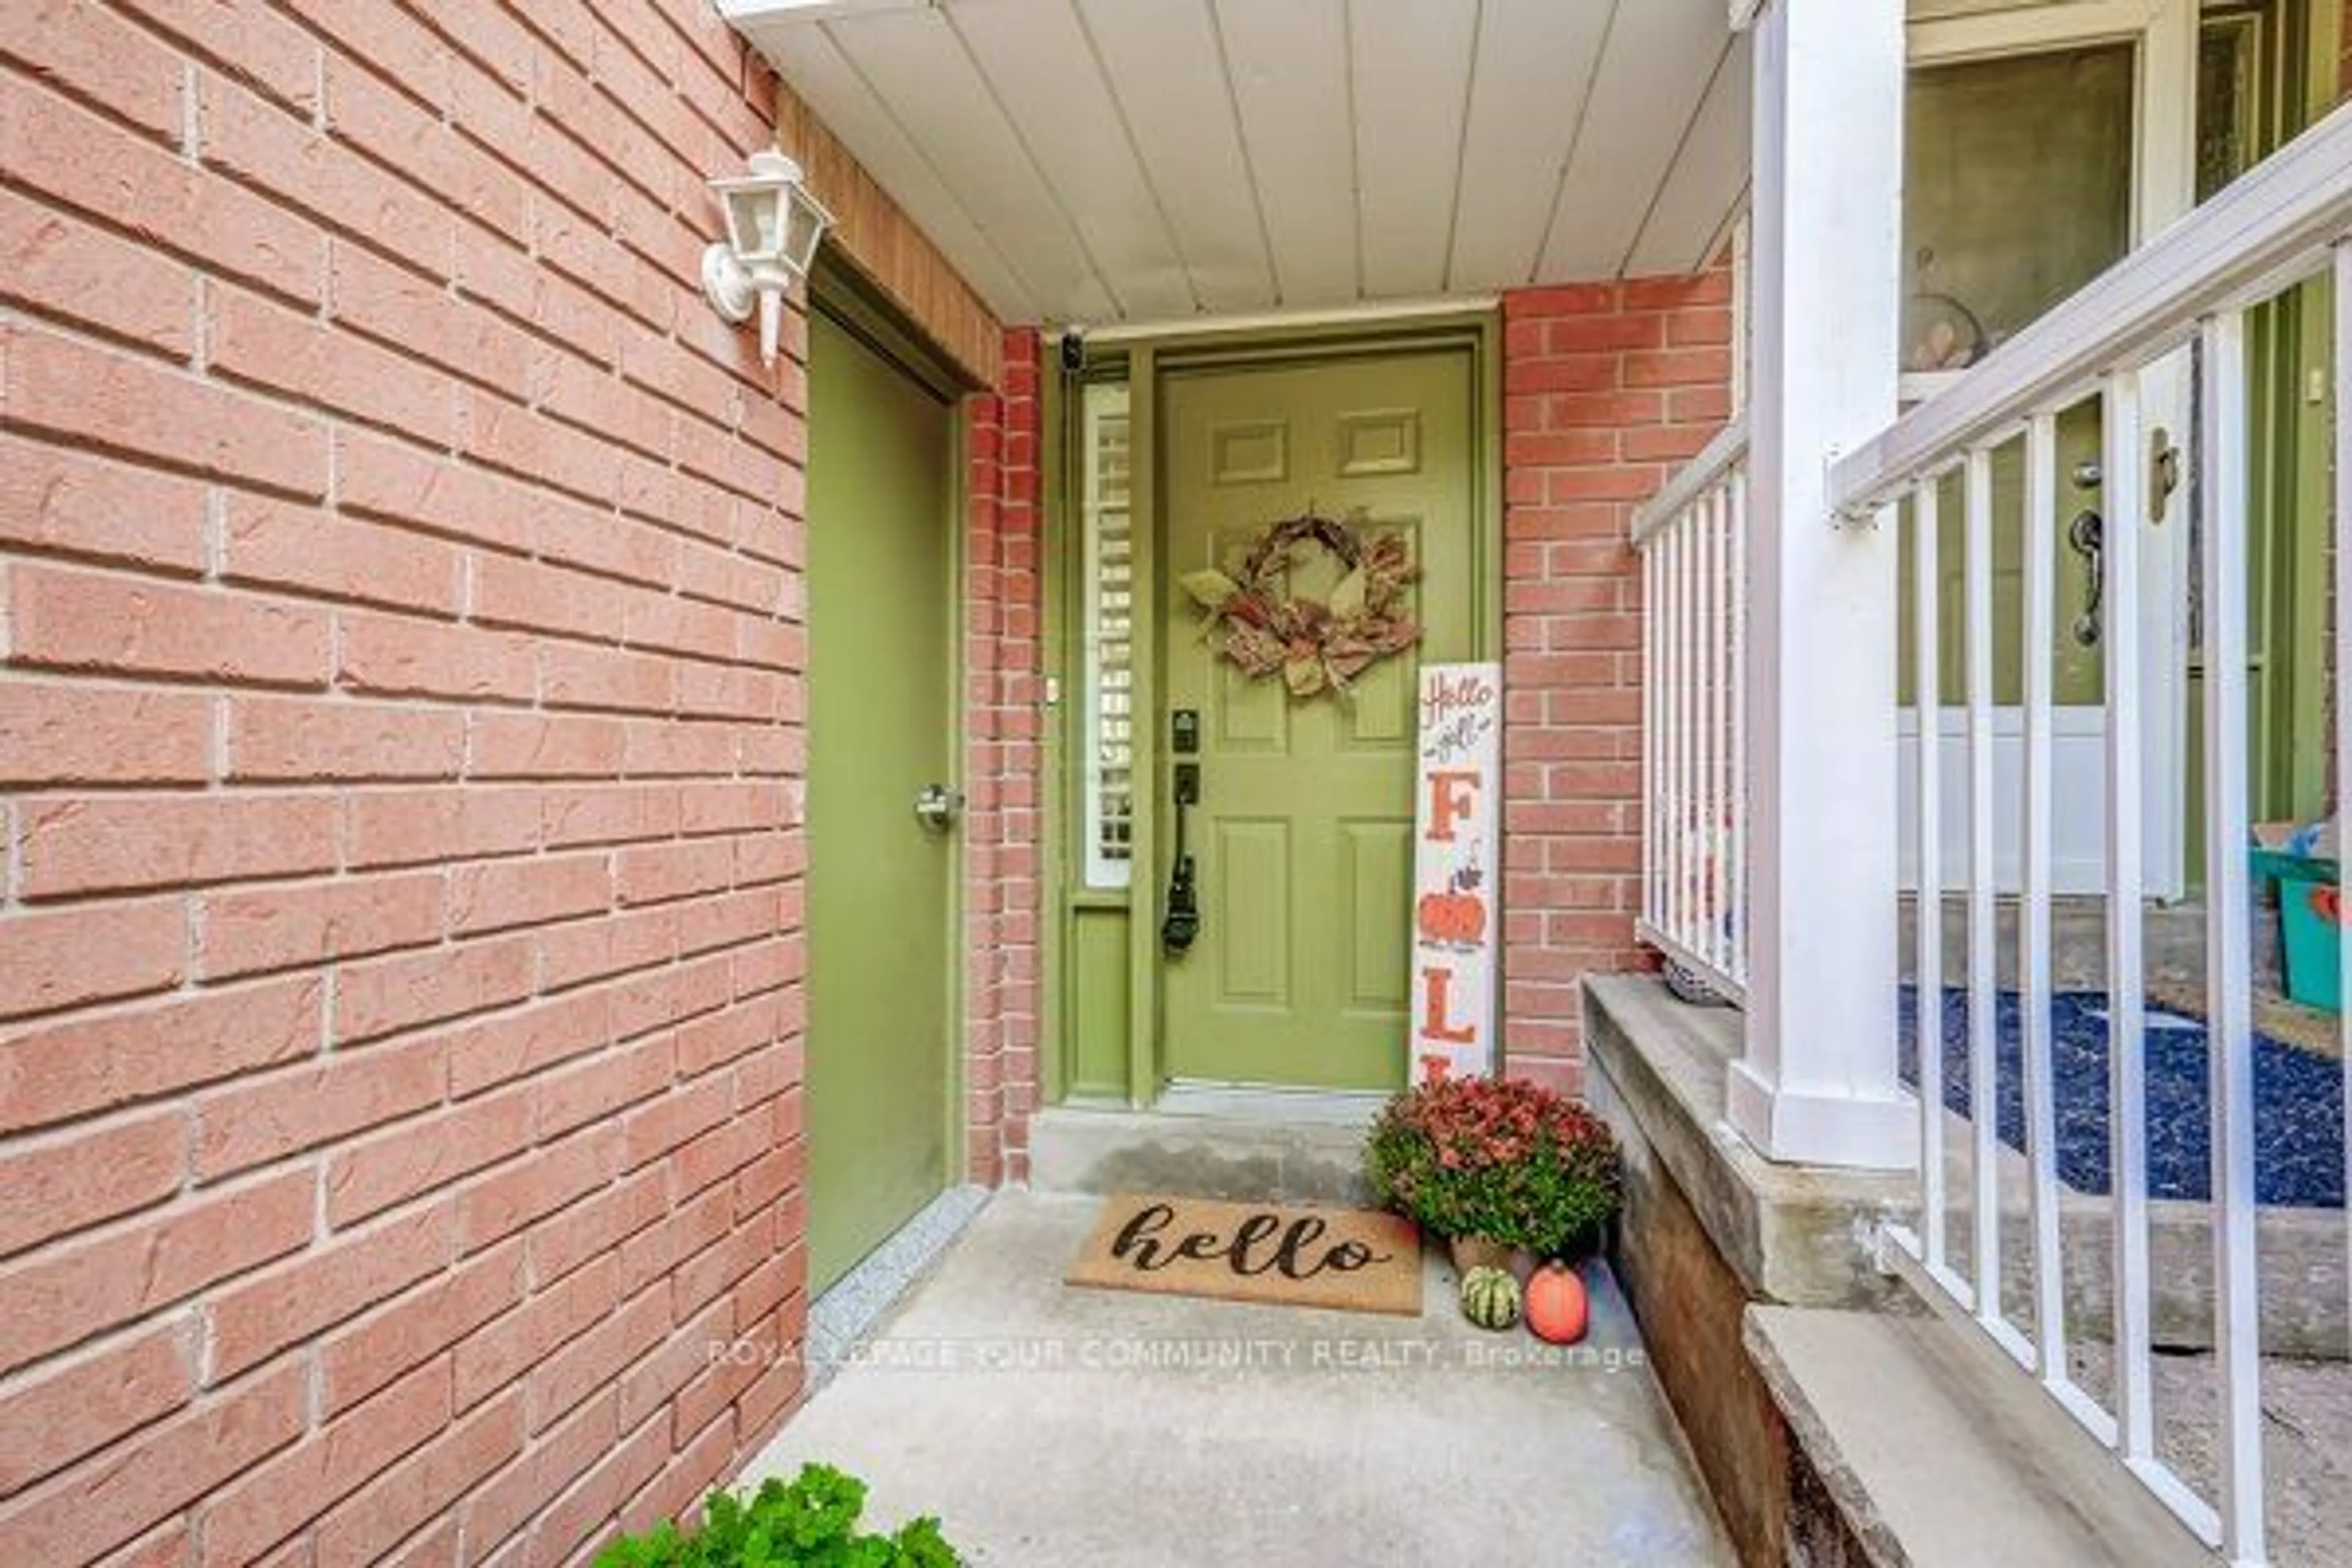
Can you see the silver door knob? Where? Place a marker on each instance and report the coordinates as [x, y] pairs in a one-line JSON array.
[[938, 806]]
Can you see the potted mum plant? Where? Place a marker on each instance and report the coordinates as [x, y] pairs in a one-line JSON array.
[[810, 1521], [1496, 1167]]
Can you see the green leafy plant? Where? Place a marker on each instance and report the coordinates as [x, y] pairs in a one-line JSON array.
[[810, 1522], [1499, 1160]]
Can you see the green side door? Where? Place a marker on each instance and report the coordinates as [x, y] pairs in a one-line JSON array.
[[881, 683], [1303, 837]]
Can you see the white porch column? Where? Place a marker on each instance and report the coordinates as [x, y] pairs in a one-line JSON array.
[[1818, 1083]]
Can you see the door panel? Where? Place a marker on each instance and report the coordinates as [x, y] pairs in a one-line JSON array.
[[1302, 840], [881, 685], [1376, 859], [1253, 932]]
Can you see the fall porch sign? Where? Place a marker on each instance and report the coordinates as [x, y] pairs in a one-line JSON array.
[[1352, 1260], [1457, 814], [1253, 620]]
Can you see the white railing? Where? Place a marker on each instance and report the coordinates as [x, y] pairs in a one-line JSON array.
[[2170, 318], [1691, 538]]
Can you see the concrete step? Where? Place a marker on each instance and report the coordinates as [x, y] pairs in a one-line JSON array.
[[1270, 1148], [1931, 1454]]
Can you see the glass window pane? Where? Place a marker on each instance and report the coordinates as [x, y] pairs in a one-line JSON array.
[[2017, 192], [2229, 106]]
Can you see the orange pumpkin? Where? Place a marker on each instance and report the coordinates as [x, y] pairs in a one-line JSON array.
[[1451, 917], [1557, 1307]]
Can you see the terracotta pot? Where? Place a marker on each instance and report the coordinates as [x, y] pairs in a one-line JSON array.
[[1477, 1251]]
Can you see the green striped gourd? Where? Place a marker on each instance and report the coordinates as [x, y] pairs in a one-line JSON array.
[[1490, 1297]]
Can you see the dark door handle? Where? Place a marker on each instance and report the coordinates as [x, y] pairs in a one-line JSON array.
[[2087, 534], [1182, 924]]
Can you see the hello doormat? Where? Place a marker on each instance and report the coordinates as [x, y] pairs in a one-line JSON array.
[[1352, 1260]]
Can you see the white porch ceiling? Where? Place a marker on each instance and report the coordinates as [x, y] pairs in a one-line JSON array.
[[1101, 161]]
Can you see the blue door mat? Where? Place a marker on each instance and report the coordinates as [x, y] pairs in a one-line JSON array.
[[2298, 1100]]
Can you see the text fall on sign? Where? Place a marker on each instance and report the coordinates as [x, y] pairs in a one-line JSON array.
[[1457, 837]]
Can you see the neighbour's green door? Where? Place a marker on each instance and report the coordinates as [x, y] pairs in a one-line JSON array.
[[881, 682], [1303, 837]]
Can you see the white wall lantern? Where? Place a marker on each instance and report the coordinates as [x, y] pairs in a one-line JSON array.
[[774, 226]]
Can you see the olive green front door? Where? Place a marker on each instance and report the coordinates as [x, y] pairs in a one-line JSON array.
[[881, 682], [1302, 839]]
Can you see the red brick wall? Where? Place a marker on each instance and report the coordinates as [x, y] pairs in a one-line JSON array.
[[893, 254], [399, 734], [1002, 594], [1607, 387]]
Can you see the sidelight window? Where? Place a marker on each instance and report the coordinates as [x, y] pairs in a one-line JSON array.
[[1107, 616]]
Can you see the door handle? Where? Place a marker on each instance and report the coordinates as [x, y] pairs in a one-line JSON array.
[[938, 806], [1181, 925], [2088, 536]]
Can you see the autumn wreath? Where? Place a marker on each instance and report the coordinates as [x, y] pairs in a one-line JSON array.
[[1252, 621]]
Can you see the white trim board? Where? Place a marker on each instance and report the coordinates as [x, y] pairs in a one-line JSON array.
[[2078, 799]]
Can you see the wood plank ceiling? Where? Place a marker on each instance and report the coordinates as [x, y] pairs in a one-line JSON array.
[[1104, 161]]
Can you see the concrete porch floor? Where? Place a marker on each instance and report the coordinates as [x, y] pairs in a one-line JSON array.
[[2174, 936], [1027, 1415]]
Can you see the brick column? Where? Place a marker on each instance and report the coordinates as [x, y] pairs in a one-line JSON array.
[[1002, 602], [1607, 387]]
